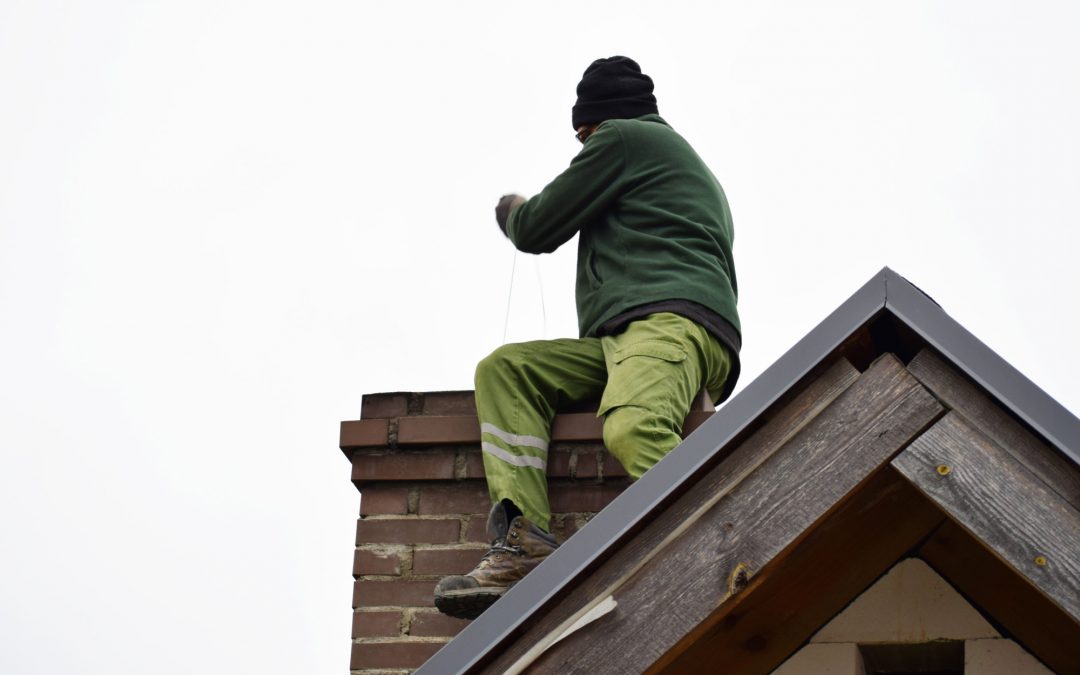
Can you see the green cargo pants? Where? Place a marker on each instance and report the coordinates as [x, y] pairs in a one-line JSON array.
[[646, 377]]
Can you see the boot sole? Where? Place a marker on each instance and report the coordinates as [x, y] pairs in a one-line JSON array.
[[467, 603]]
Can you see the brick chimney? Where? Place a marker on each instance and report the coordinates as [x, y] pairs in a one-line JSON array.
[[416, 462]]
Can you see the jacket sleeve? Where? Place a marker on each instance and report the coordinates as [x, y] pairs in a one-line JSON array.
[[576, 198]]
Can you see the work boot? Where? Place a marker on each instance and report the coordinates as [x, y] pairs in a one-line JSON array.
[[517, 547]]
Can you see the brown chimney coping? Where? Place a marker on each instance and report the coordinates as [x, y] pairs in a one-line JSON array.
[[465, 429], [410, 403]]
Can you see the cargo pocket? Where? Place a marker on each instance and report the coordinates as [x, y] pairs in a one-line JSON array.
[[643, 374]]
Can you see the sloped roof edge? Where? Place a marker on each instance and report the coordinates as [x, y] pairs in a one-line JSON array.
[[886, 291], [1012, 390]]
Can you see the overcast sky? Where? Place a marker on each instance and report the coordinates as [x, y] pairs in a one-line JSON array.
[[222, 223]]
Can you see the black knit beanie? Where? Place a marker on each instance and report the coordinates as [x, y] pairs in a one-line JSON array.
[[613, 88]]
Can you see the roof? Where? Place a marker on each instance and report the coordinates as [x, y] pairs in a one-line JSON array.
[[888, 314]]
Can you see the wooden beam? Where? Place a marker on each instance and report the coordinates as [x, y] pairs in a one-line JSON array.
[[961, 395], [998, 500], [779, 427], [1043, 628], [758, 519], [788, 602]]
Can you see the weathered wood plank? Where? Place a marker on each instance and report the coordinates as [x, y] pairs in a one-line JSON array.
[[747, 529], [958, 393], [996, 498], [1030, 617], [787, 602], [778, 430]]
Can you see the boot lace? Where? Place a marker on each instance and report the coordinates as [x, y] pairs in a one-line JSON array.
[[500, 546]]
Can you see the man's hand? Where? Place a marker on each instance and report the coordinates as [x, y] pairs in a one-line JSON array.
[[507, 204]]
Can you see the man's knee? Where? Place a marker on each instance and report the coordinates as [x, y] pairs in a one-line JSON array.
[[619, 431], [638, 438]]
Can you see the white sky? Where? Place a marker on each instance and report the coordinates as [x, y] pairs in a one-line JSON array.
[[223, 222]]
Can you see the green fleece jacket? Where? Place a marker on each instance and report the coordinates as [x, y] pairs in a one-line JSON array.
[[654, 224]]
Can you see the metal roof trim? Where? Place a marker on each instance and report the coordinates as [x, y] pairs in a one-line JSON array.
[[971, 355]]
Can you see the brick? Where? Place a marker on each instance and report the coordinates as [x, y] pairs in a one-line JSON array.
[[828, 659], [577, 427], [374, 562], [364, 433], [476, 531], [911, 603], [450, 403], [559, 463], [474, 466], [462, 497], [437, 430], [613, 468], [446, 561], [394, 404], [435, 624], [392, 654], [384, 500], [587, 465], [436, 464], [583, 498], [564, 526], [376, 624], [407, 531], [368, 593], [1000, 657]]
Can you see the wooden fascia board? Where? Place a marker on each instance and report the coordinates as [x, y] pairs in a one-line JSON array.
[[672, 522], [995, 497], [984, 413], [750, 528], [813, 580]]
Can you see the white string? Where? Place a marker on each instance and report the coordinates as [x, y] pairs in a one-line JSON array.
[[509, 295], [540, 283]]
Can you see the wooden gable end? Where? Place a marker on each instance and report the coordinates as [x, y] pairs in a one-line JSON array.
[[887, 432], [853, 472]]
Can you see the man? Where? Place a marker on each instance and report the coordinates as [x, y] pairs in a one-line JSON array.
[[656, 296]]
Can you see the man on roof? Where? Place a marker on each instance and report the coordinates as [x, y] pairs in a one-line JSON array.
[[656, 304]]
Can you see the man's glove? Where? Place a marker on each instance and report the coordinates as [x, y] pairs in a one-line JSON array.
[[502, 210]]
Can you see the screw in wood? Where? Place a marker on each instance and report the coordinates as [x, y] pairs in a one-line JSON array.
[[1040, 560], [943, 469]]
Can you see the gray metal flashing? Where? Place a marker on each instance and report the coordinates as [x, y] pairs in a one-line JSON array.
[[885, 292], [1005, 383]]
